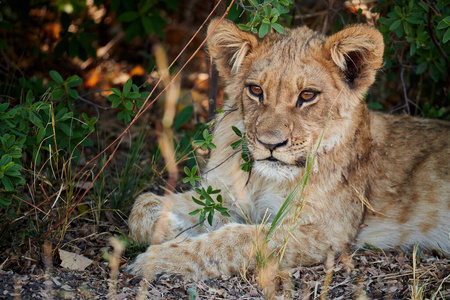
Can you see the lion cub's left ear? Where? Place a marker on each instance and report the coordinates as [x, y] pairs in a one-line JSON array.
[[358, 53]]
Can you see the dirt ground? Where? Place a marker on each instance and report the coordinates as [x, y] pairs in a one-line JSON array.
[[388, 275]]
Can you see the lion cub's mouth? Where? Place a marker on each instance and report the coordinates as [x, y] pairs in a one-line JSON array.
[[271, 158], [301, 162]]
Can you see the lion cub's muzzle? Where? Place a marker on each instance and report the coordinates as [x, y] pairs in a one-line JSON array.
[[270, 145]]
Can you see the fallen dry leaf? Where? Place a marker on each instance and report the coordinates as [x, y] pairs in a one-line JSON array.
[[74, 261]]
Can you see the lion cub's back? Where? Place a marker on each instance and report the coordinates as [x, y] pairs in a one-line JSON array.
[[409, 186]]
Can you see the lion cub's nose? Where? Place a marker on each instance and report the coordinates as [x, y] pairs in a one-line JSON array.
[[272, 145]]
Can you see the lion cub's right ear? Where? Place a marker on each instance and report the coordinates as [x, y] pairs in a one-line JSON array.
[[228, 46]]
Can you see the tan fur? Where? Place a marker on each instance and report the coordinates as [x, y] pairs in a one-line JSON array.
[[399, 165]]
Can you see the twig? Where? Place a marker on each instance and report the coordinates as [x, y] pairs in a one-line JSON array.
[[327, 16], [213, 89], [433, 37], [189, 228], [95, 92], [241, 4], [231, 155], [30, 204], [405, 92], [97, 107]]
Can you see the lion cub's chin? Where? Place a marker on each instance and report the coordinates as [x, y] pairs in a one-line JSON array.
[[276, 171]]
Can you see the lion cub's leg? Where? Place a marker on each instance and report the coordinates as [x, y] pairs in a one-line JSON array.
[[156, 219]]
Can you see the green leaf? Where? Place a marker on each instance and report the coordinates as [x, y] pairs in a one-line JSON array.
[[210, 218], [412, 49], [4, 106], [205, 134], [6, 159], [128, 16], [244, 27], [198, 201], [72, 93], [444, 23], [236, 144], [63, 115], [446, 36], [133, 95], [202, 218], [5, 202], [421, 68], [57, 94], [187, 171], [398, 11], [254, 3], [127, 87], [7, 184], [56, 77], [40, 135], [147, 24], [73, 81], [30, 97], [374, 105], [395, 25], [236, 131], [128, 105], [116, 92], [147, 6], [423, 6], [184, 116], [413, 20], [278, 27], [65, 128], [192, 213], [194, 170], [263, 29]]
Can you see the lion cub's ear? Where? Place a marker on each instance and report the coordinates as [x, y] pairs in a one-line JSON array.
[[358, 53], [228, 46]]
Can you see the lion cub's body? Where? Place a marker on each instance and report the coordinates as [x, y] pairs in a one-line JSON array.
[[376, 179]]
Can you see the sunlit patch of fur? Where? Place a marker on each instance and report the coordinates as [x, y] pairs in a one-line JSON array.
[[276, 171]]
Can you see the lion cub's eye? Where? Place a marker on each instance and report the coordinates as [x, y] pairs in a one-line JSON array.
[[256, 91], [306, 96]]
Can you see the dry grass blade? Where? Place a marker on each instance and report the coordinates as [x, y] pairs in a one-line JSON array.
[[416, 289], [114, 262], [170, 107]]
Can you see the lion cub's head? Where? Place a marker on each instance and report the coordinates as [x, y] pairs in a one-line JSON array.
[[286, 85]]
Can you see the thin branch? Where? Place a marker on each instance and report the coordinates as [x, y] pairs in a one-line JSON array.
[[93, 104], [241, 4], [225, 160], [189, 228], [435, 41], [213, 89], [405, 91]]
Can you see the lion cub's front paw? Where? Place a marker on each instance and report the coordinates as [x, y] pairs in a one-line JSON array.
[[206, 256], [176, 259]]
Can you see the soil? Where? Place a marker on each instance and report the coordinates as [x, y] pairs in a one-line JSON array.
[[368, 275]]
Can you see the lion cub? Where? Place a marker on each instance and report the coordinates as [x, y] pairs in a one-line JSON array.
[[376, 178]]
